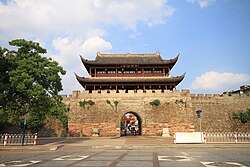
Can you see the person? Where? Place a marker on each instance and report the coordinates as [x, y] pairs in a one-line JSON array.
[[133, 128], [136, 129], [129, 127], [125, 131]]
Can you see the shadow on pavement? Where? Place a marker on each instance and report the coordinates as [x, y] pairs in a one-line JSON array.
[[62, 140]]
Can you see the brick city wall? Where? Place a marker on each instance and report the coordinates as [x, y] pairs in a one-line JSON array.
[[171, 113]]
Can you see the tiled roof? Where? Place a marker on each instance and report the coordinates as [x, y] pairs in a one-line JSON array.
[[176, 80], [139, 59]]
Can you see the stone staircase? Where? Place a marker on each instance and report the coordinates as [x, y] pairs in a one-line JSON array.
[[141, 140]]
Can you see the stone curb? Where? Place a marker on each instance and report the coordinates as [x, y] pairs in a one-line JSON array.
[[160, 147], [124, 147]]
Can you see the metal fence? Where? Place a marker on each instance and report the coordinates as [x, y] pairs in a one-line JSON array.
[[230, 137], [16, 139]]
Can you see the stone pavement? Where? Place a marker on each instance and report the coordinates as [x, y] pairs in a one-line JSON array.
[[130, 142], [180, 157], [119, 143]]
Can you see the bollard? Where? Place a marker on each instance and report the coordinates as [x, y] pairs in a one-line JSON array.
[[235, 137], [35, 139], [205, 137], [5, 139], [174, 138]]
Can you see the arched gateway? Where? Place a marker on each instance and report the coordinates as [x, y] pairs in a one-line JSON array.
[[116, 76], [131, 124]]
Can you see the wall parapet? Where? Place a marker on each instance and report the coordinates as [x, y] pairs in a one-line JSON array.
[[183, 92], [214, 96], [78, 93]]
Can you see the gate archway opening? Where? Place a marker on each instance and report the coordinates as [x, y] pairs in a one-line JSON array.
[[131, 124]]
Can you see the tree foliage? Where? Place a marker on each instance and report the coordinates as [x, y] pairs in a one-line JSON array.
[[29, 84]]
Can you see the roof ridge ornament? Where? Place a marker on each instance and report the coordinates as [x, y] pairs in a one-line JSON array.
[[157, 53]]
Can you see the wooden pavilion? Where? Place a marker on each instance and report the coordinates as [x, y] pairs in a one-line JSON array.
[[129, 72]]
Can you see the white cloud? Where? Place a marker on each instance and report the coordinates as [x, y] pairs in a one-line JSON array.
[[76, 27], [41, 18], [219, 82], [93, 45], [68, 51], [202, 3]]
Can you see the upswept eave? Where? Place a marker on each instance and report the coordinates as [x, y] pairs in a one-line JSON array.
[[84, 80], [123, 59], [78, 78]]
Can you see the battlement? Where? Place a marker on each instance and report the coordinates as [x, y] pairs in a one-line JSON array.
[[215, 96], [146, 93], [113, 93]]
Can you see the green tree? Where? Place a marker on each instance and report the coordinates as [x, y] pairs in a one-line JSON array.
[[29, 84]]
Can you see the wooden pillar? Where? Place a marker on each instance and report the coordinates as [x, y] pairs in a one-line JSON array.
[[143, 88], [164, 72], [90, 73], [168, 71], [85, 87], [94, 87], [116, 88], [116, 73], [95, 72], [143, 72]]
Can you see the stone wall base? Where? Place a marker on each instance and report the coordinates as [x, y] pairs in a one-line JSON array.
[[110, 129]]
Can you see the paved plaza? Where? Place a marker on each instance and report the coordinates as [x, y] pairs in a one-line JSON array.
[[126, 152], [196, 157]]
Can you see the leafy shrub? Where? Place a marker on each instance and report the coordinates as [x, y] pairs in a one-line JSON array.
[[155, 103], [116, 103], [87, 103], [91, 103], [235, 115], [83, 103], [110, 103], [244, 117], [179, 102]]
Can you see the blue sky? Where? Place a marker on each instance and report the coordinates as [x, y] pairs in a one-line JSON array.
[[212, 37]]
